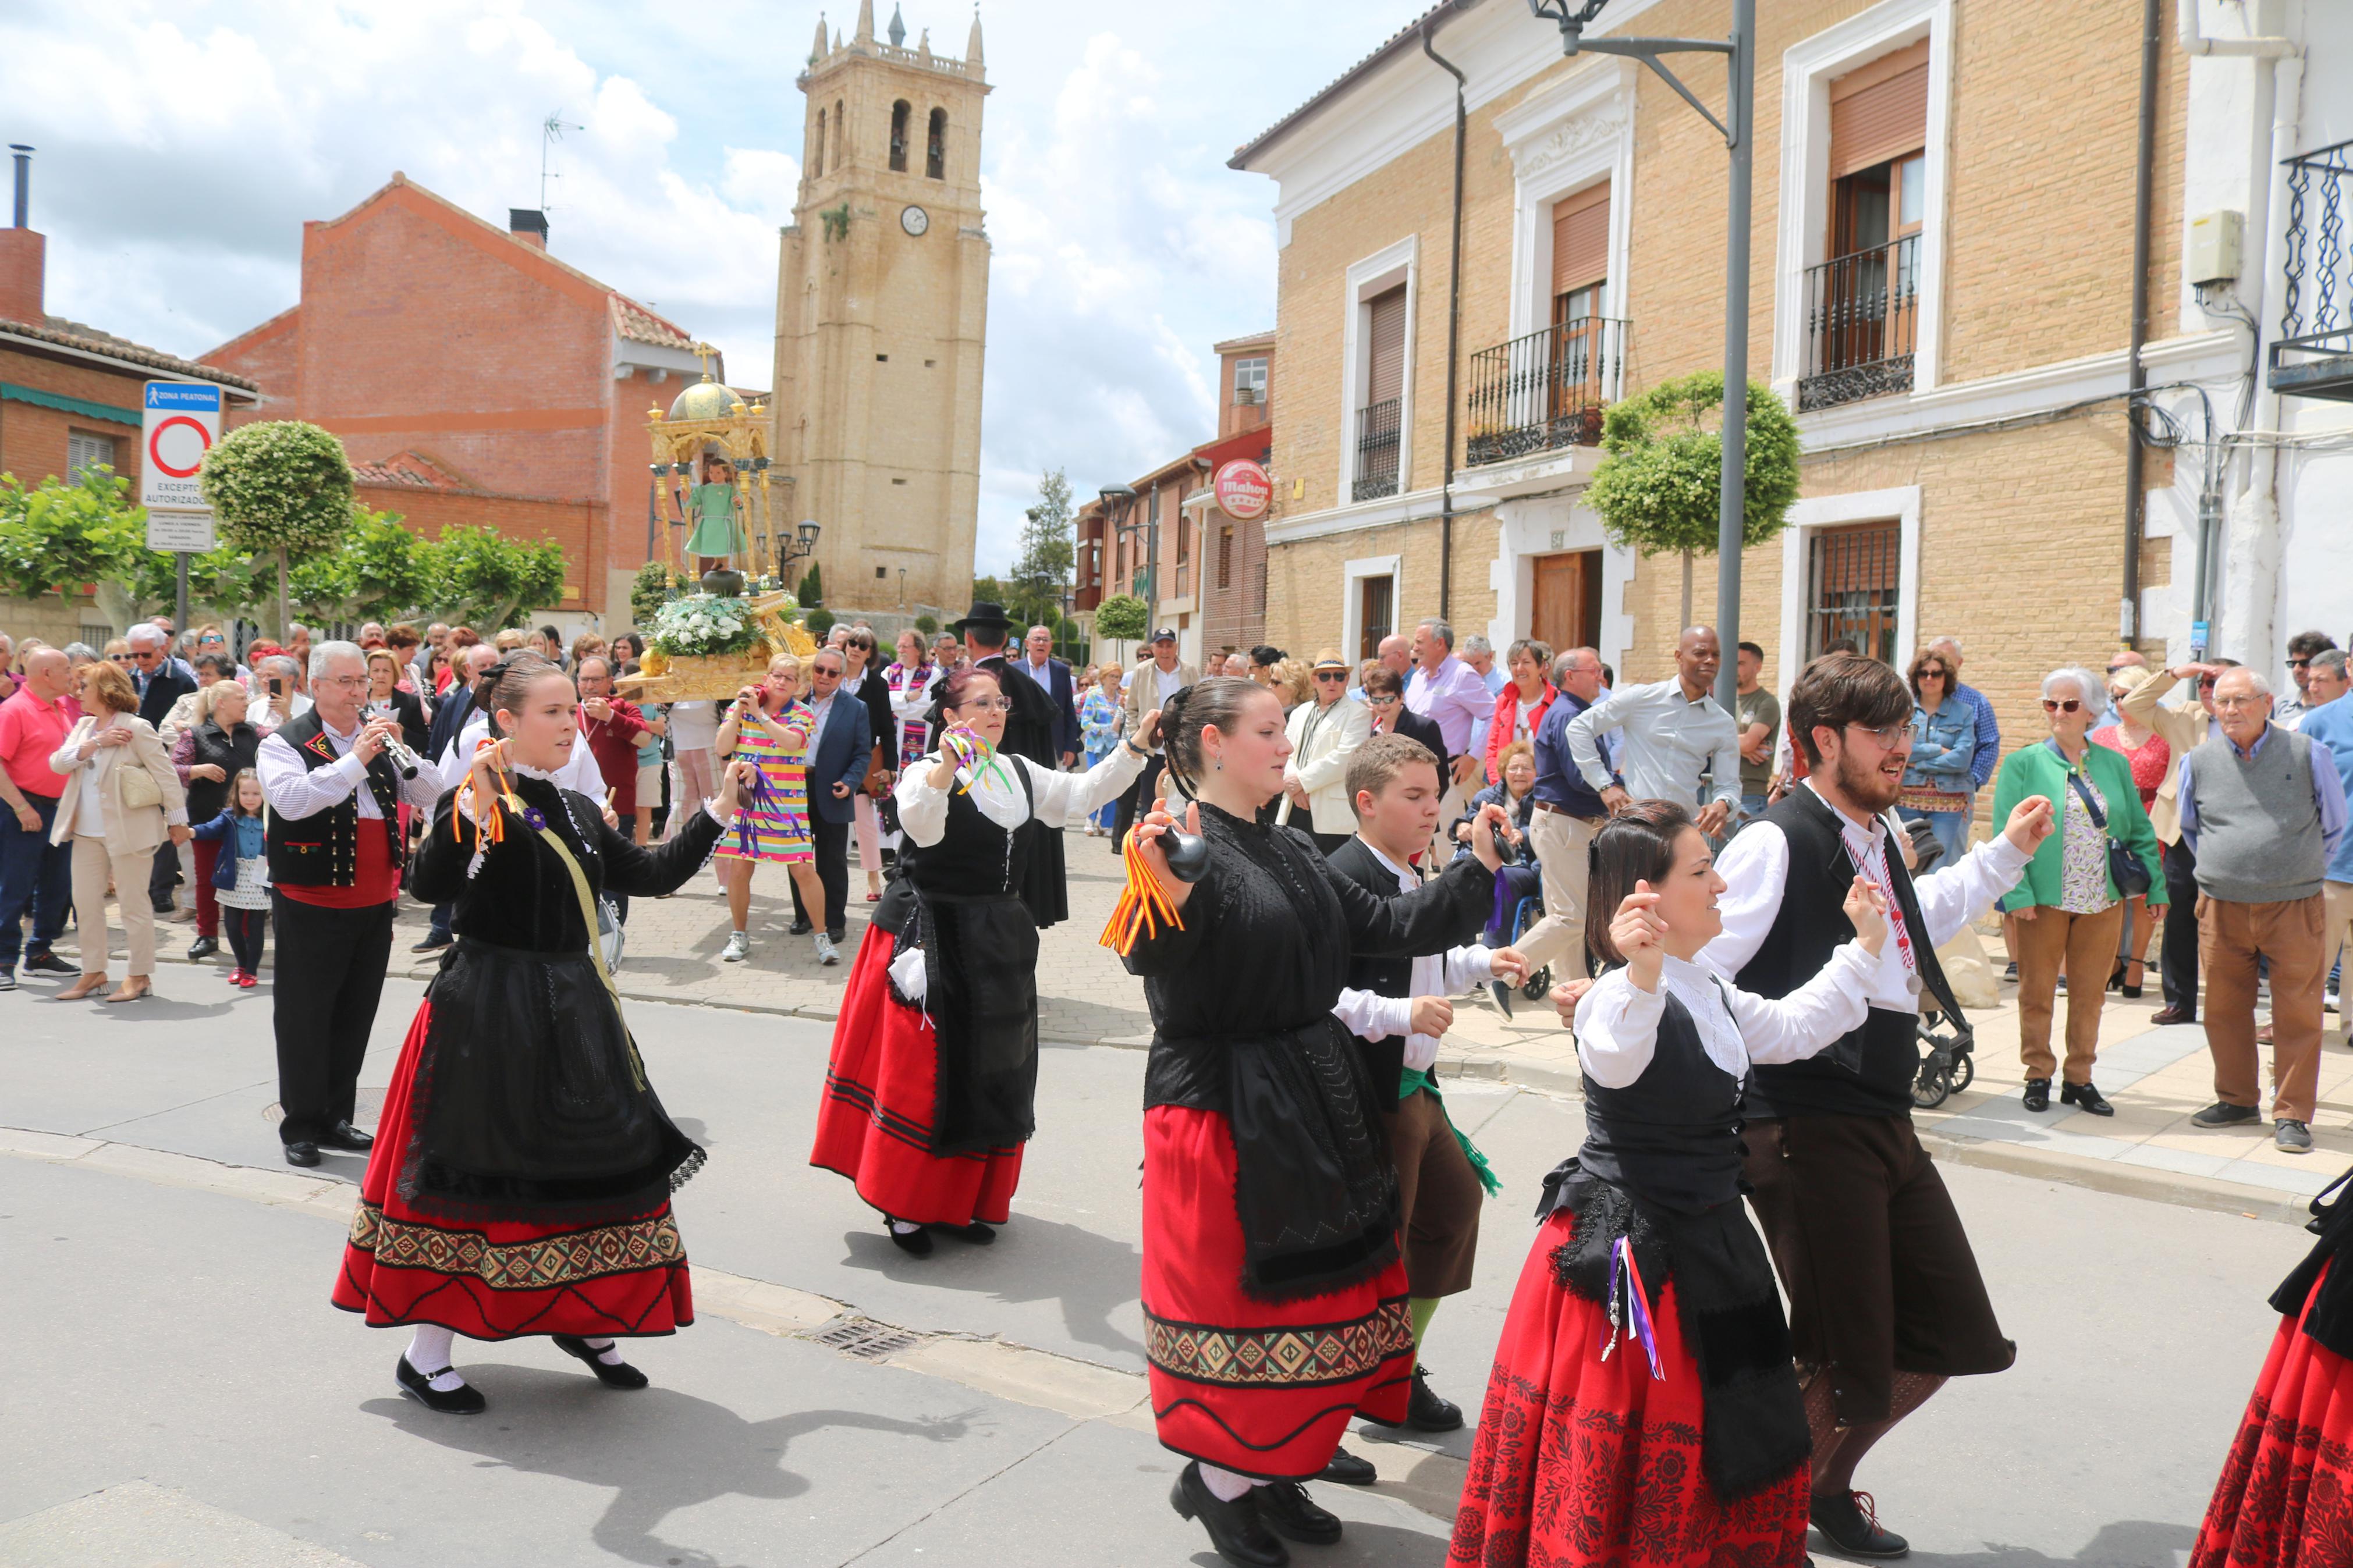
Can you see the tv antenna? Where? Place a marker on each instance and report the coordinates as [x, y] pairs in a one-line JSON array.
[[551, 131]]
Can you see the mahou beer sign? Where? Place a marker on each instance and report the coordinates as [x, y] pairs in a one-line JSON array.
[[1243, 491]]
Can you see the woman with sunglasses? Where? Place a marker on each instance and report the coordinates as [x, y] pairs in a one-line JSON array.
[[1937, 787], [1325, 732], [210, 640], [2070, 910], [932, 1089]]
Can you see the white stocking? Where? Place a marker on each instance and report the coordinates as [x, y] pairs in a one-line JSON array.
[[1224, 1485], [428, 1350], [905, 1227], [606, 1350]]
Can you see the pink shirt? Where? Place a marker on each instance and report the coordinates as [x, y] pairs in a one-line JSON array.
[[30, 732]]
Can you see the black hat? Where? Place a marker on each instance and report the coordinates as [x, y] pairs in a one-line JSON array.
[[1162, 634], [982, 614]]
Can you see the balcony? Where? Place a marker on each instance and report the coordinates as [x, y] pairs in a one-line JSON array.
[[1862, 320], [1545, 390], [1376, 450], [2313, 355]]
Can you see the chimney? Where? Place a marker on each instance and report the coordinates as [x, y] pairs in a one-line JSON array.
[[22, 251], [528, 225]]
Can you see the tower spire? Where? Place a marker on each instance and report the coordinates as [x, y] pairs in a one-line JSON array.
[[865, 34], [898, 28], [972, 46], [816, 50]]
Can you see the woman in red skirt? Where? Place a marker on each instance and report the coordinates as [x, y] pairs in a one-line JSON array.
[[1274, 1297], [2286, 1499], [1643, 1412], [522, 1168], [933, 1086]]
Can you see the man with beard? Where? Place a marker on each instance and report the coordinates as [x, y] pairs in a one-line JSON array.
[[1031, 732], [1885, 1302]]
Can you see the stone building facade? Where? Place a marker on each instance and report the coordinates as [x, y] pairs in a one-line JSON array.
[[1943, 226], [882, 316]]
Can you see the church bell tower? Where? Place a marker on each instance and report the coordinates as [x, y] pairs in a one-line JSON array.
[[882, 315]]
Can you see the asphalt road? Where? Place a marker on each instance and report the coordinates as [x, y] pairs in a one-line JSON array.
[[174, 1387]]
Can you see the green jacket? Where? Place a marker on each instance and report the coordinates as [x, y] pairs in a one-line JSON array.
[[2039, 769]]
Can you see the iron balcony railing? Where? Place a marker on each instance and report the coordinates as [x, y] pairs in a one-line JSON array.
[[1376, 450], [1545, 390], [2313, 355], [1862, 320]]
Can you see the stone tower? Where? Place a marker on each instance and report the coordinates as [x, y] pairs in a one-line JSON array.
[[881, 312]]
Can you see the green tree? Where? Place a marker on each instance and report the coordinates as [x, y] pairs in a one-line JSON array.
[[489, 581], [281, 488], [386, 570], [928, 625], [811, 593], [58, 536], [819, 622], [1047, 553], [648, 590], [1661, 486], [1120, 618]]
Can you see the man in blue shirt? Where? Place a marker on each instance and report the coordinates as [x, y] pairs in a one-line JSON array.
[[2329, 722], [1566, 814]]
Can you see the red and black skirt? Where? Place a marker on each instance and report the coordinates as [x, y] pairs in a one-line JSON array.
[[1584, 1461], [2286, 1496], [494, 1280], [876, 1125], [1262, 1388]]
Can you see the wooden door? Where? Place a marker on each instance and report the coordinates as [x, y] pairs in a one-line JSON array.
[[1566, 610]]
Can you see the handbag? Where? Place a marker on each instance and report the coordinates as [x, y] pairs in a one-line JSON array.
[[135, 788], [2125, 868]]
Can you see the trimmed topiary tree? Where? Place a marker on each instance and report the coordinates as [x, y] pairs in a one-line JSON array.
[[1661, 486], [1121, 618], [280, 489]]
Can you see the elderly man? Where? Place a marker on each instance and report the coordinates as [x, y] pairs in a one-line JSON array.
[[1479, 655], [2264, 809], [1052, 676], [334, 848], [1568, 813], [1394, 653], [2182, 729], [1149, 686], [35, 876], [281, 697], [1674, 731], [1449, 694]]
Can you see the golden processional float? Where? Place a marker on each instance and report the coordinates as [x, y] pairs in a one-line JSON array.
[[711, 466]]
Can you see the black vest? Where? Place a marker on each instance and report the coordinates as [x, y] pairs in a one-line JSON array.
[[232, 751], [1807, 928], [321, 850], [1383, 974], [975, 858], [1672, 1136]]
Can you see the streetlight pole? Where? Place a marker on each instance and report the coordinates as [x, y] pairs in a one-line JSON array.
[[1739, 139]]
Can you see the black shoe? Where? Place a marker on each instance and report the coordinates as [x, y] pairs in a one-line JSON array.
[[463, 1400], [1235, 1528], [917, 1243], [162, 905], [2009, 971], [434, 943], [7, 980], [799, 928], [1426, 1412], [1291, 1513], [203, 947], [49, 963], [1850, 1522], [344, 1136], [2037, 1094], [1348, 1469], [304, 1154], [2085, 1096], [980, 1233], [2129, 992], [612, 1375], [2222, 1113]]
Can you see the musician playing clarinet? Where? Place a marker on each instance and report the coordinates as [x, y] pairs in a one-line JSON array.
[[334, 791]]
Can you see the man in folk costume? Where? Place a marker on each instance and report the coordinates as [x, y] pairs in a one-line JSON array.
[[1396, 1008], [332, 843], [1031, 732], [1885, 1301]]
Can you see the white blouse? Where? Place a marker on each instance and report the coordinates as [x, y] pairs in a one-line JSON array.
[[1064, 800], [581, 774], [1617, 1021]]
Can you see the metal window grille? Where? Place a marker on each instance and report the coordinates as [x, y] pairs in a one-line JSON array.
[[1544, 390], [84, 450], [1852, 588], [1862, 318], [1376, 450]]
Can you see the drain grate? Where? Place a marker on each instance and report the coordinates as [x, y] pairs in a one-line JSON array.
[[867, 1339]]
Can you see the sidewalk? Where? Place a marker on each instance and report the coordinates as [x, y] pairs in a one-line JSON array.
[[2156, 1076]]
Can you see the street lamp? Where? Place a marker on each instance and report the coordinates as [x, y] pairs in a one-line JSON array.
[[1739, 137], [1118, 501], [795, 546]]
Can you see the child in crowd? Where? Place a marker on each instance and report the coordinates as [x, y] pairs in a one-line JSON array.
[[241, 875]]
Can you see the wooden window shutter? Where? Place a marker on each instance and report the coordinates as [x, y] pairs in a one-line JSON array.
[[1384, 373], [1580, 239], [1880, 112]]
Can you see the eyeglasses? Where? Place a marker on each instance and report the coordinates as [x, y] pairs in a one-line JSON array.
[[987, 705], [2054, 705], [1885, 734], [2299, 664], [1382, 701], [2248, 702], [343, 680], [2206, 682]]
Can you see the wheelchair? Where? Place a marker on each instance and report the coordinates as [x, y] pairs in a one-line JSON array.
[[1525, 914], [1948, 1064]]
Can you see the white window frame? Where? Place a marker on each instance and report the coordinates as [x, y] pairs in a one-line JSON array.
[[1352, 603], [1376, 274], [1233, 390], [1567, 136], [1813, 514], [1807, 71]]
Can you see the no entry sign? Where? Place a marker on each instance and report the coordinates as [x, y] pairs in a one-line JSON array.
[[182, 421]]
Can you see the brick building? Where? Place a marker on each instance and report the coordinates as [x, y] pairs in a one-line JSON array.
[[475, 378], [70, 399], [1944, 223]]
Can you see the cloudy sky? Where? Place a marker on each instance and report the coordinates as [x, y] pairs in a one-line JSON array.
[[182, 146]]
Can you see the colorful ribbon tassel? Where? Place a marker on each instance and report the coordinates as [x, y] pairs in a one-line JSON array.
[[1142, 911], [1626, 1289]]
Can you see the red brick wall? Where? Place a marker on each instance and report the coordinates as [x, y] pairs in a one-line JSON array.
[[572, 524], [32, 438], [270, 356]]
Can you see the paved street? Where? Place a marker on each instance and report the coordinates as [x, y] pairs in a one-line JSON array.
[[199, 1403]]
